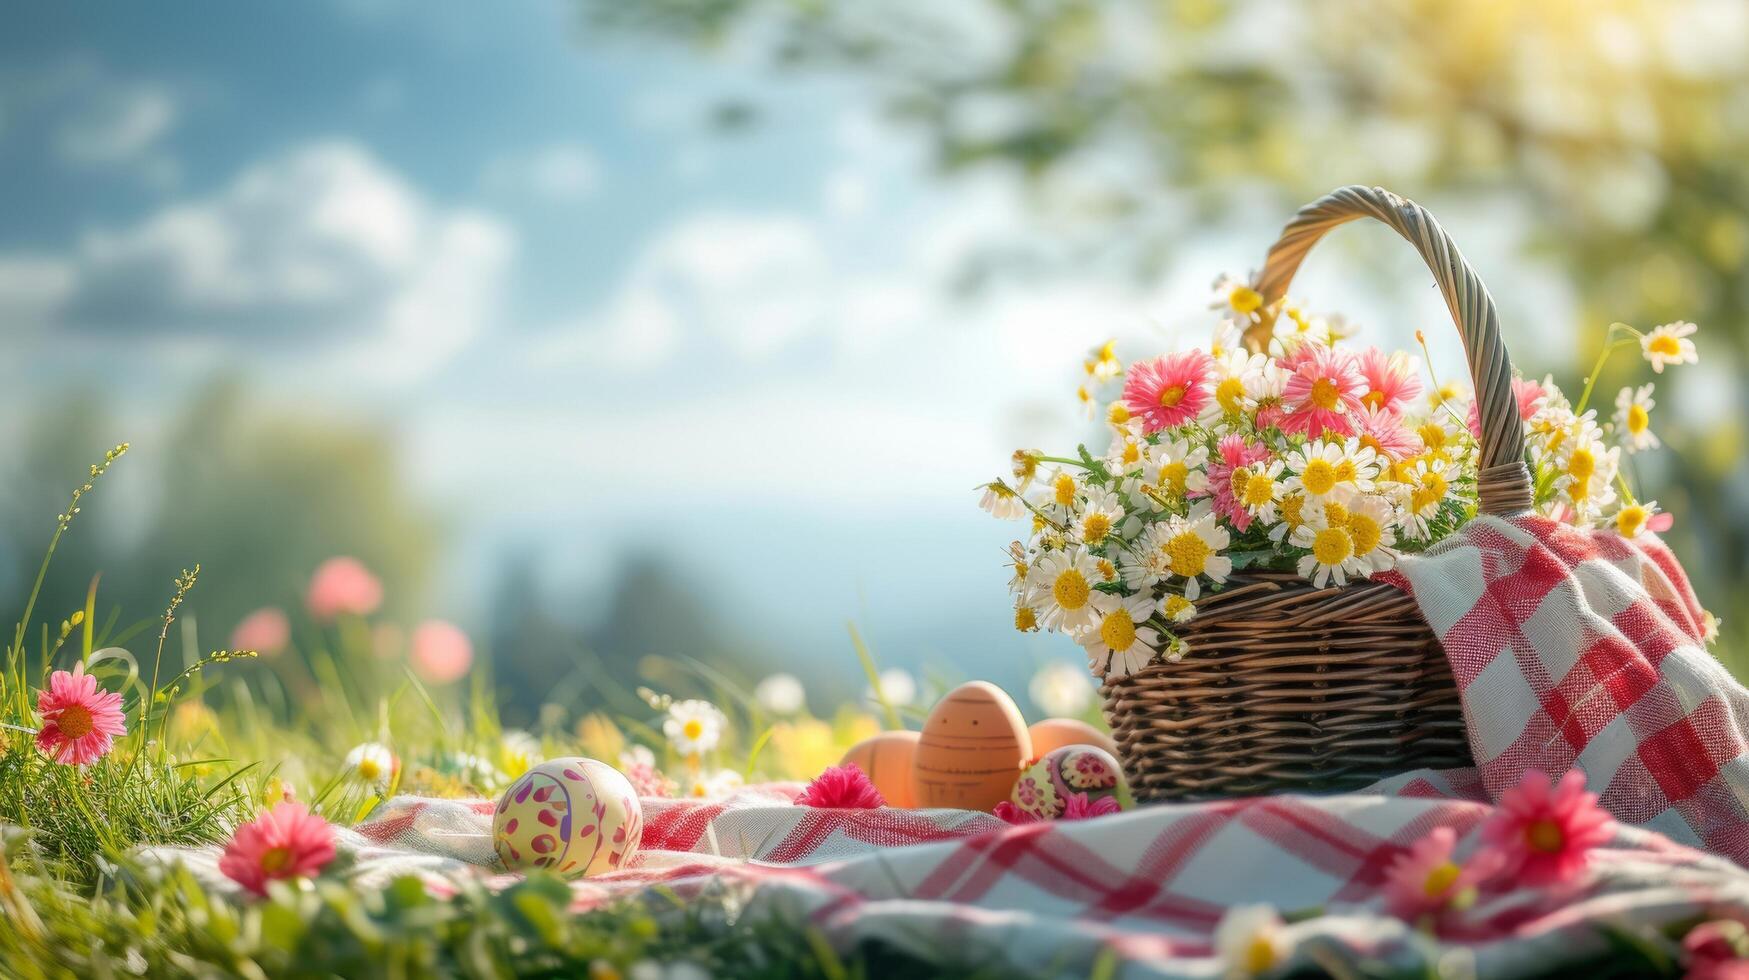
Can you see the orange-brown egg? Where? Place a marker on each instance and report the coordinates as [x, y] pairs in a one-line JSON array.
[[973, 747], [1054, 733], [886, 759]]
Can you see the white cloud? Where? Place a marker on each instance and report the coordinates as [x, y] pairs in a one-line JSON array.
[[118, 124], [561, 173], [324, 243]]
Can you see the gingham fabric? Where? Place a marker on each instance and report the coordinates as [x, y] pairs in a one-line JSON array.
[[1571, 648]]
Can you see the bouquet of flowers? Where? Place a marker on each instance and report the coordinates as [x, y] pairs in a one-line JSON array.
[[1282, 448]]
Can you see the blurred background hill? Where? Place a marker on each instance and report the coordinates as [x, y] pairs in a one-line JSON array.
[[686, 327]]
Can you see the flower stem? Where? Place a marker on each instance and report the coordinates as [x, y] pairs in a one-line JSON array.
[[1609, 347]]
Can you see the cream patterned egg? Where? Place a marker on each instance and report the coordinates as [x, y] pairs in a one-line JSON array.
[[1073, 781], [572, 816]]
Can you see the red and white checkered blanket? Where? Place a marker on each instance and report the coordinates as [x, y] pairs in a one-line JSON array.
[[1571, 649]]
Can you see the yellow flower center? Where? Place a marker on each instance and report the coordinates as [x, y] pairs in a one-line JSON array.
[[1070, 589], [1319, 477], [1366, 533], [1346, 471], [1175, 606], [1188, 553], [1107, 570], [1259, 955], [1170, 397], [1664, 344], [1582, 465], [1118, 414], [275, 860], [1332, 546], [1373, 399], [1290, 510], [1241, 478], [1638, 419], [1244, 299], [1025, 620], [1132, 453], [693, 729], [1335, 514], [1432, 433], [1230, 395], [1259, 490], [1440, 879], [1175, 475], [1117, 631], [1371, 442], [1630, 519], [75, 721], [1325, 394], [1424, 496], [1095, 527], [1065, 489], [368, 769], [1545, 836], [1083, 394]]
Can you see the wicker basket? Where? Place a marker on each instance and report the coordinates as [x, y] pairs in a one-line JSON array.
[[1293, 688]]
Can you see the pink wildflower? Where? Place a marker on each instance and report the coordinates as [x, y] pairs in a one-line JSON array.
[[842, 787], [343, 586], [1323, 392], [441, 652], [1231, 453], [1528, 394], [1383, 430], [1545, 831], [1391, 381], [1009, 813], [285, 842], [266, 631], [80, 721], [1169, 390], [1076, 806], [1426, 879]]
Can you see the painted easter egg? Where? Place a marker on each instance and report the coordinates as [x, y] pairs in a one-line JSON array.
[[971, 750], [886, 759], [1074, 780], [1054, 733], [573, 816]]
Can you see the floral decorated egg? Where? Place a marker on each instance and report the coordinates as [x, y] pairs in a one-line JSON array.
[[1074, 781], [573, 816]]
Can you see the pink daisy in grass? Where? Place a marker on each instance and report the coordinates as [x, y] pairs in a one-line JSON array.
[[842, 787], [1391, 379], [1544, 831], [441, 652], [343, 586], [1384, 431], [1529, 395], [287, 841], [266, 631], [1427, 879], [80, 721], [1233, 454], [1169, 390], [1323, 393]]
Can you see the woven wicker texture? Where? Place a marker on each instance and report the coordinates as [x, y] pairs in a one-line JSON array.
[[1292, 688]]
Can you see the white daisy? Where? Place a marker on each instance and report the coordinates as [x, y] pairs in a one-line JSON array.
[[1372, 525], [1176, 608], [1128, 454], [1002, 502], [1238, 377], [1102, 514], [705, 786], [1331, 545], [1187, 548], [371, 763], [1633, 418], [898, 687], [1426, 486], [1669, 344], [1061, 689], [1318, 469], [1586, 469], [1290, 508], [1024, 464], [1250, 942], [1102, 364], [1058, 494], [780, 694], [1120, 643], [1631, 519], [694, 727], [1236, 299], [1062, 588], [1177, 468], [1262, 489]]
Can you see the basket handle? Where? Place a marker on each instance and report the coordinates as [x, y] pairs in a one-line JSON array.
[[1503, 481]]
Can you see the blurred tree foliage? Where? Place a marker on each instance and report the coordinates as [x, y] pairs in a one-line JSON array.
[[257, 498], [1617, 129]]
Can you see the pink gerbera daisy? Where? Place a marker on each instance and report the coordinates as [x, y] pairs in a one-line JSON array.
[[1323, 393], [1232, 453], [842, 787], [1528, 394], [287, 841], [1426, 879], [1391, 381], [80, 721], [1384, 431], [1545, 831], [1168, 390]]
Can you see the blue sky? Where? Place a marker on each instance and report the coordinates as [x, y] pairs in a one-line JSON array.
[[594, 324]]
